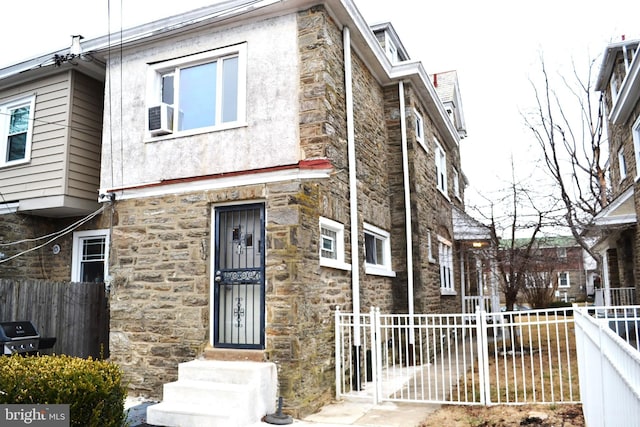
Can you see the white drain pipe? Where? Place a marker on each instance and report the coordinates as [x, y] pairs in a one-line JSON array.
[[407, 209], [353, 207]]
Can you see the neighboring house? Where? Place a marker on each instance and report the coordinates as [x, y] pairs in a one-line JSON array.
[[616, 224], [50, 148], [565, 260], [262, 164]]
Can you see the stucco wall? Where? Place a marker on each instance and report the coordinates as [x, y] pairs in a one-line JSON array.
[[271, 99]]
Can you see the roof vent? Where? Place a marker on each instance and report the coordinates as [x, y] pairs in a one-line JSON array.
[[76, 48]]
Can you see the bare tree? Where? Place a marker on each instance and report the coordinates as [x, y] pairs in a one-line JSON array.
[[514, 227], [542, 283], [570, 135]]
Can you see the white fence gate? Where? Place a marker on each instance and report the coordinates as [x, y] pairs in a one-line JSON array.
[[490, 358], [609, 363]]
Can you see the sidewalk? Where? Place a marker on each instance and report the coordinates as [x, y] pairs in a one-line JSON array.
[[338, 414]]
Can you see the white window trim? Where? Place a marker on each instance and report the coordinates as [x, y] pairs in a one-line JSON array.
[[5, 118], [430, 249], [339, 262], [622, 164], [444, 290], [78, 236], [568, 285], [456, 184], [441, 165], [635, 131], [375, 269], [419, 129], [154, 85]]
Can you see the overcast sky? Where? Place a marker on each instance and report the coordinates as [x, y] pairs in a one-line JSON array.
[[494, 45]]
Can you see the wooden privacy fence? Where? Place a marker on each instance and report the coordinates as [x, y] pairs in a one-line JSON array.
[[76, 314]]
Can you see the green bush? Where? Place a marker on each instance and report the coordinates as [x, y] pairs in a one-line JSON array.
[[92, 388]]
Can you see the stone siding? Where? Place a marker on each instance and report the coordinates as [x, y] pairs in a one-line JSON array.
[[40, 263]]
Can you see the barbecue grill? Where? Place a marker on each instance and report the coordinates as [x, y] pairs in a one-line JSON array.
[[19, 337]]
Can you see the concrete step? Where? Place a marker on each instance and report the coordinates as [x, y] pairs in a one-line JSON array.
[[217, 393], [194, 415], [187, 391], [232, 372]]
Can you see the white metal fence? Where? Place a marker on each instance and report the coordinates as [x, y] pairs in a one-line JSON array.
[[507, 358], [609, 364], [615, 296]]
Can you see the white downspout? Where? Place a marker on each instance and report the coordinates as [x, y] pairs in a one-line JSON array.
[[353, 206], [407, 209]]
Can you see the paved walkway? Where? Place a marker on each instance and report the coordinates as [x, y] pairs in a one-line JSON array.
[[338, 414]]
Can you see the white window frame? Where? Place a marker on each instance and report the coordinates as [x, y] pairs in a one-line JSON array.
[[154, 88], [445, 261], [383, 268], [441, 168], [419, 129], [339, 261], [430, 249], [456, 183], [566, 274], [635, 131], [622, 164], [5, 119], [561, 252], [78, 238]]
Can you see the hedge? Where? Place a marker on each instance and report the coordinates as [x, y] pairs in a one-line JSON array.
[[92, 388]]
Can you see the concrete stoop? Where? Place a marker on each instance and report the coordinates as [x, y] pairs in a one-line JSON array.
[[215, 393]]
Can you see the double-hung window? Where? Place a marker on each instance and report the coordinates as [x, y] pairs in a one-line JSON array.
[[332, 244], [377, 250], [90, 259], [622, 164], [441, 169], [563, 280], [635, 130], [445, 259], [456, 183], [419, 128], [16, 128], [205, 91]]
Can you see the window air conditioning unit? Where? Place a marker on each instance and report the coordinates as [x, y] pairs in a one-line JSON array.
[[161, 119]]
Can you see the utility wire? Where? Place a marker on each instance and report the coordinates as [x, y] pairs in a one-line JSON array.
[[55, 236], [72, 226]]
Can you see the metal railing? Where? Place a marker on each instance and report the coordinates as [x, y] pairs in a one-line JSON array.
[[609, 364], [615, 296], [507, 358]]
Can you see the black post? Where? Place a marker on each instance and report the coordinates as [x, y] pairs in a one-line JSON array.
[[356, 384]]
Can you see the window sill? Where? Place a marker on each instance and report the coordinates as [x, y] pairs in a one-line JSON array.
[[447, 292], [446, 196], [192, 132], [338, 265], [379, 271]]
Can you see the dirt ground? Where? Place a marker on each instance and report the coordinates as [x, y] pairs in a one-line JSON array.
[[507, 416]]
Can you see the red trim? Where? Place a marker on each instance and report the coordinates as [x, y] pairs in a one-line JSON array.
[[313, 164]]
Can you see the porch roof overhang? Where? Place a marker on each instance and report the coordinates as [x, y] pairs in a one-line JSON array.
[[621, 211], [468, 229]]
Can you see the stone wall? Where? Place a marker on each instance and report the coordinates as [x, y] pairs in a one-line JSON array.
[[27, 232]]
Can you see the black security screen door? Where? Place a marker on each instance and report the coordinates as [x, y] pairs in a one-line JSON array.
[[239, 277]]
